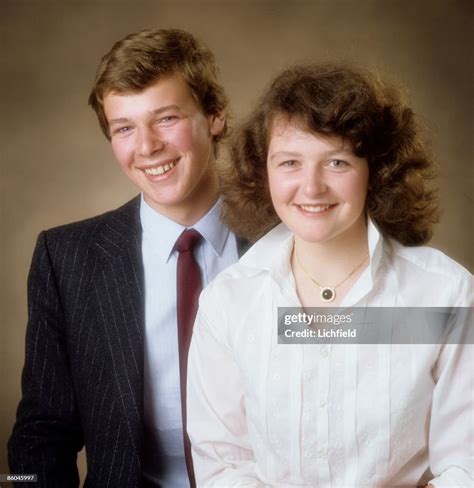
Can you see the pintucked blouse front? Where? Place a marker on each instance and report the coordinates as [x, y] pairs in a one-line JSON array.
[[267, 414]]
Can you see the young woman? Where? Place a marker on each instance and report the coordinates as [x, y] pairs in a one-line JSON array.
[[337, 156]]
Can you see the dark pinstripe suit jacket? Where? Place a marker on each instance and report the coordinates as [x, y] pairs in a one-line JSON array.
[[83, 376]]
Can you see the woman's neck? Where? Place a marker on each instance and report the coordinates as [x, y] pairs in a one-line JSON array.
[[325, 272], [331, 261]]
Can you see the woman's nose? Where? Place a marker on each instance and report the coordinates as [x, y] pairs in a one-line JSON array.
[[314, 182]]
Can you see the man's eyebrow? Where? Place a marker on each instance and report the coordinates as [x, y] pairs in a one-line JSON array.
[[158, 111], [120, 120]]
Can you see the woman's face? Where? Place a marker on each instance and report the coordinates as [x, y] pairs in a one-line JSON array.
[[317, 184]]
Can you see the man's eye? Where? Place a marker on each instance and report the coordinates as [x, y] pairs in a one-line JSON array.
[[122, 130], [168, 118]]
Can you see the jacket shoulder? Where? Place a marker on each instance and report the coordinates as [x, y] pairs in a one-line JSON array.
[[77, 242], [117, 217]]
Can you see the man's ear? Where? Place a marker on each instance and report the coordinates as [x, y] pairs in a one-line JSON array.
[[217, 123]]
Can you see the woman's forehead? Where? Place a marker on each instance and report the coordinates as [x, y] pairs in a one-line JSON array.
[[285, 128]]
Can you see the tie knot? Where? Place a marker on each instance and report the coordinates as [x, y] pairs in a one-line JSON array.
[[188, 240]]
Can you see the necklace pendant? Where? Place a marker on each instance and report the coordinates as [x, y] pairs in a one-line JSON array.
[[327, 294]]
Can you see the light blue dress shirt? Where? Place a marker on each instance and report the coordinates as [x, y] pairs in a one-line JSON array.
[[164, 461]]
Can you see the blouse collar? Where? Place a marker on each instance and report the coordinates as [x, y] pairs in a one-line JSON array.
[[272, 253]]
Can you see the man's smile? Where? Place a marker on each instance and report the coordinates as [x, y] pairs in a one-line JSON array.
[[161, 168]]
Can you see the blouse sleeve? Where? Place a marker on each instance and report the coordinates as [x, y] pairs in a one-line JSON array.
[[217, 426], [451, 434]]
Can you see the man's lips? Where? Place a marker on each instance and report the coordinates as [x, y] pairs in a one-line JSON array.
[[316, 209], [160, 168]]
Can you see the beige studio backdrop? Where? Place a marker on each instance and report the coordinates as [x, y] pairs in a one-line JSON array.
[[57, 167]]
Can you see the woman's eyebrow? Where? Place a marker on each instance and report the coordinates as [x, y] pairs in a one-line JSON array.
[[342, 151], [285, 154]]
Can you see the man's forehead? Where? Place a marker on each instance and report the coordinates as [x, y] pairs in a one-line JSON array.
[[170, 93]]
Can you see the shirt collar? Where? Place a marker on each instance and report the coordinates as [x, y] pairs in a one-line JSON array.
[[272, 252], [165, 231], [375, 241], [366, 280]]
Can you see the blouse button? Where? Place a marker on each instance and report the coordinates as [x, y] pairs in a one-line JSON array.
[[322, 452], [309, 375]]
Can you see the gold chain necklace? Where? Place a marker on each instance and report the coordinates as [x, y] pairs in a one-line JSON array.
[[328, 293]]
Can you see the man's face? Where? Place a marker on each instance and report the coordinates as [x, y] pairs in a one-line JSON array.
[[164, 144]]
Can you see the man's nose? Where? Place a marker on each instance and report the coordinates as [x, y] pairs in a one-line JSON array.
[[149, 142]]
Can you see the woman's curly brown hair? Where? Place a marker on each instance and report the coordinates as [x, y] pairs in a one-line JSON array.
[[356, 105]]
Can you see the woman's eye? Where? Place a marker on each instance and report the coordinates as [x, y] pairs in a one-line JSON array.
[[290, 163], [337, 163]]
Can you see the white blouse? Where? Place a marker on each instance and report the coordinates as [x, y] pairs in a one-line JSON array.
[[267, 414]]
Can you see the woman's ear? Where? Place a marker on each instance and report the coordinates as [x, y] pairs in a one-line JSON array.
[[217, 123]]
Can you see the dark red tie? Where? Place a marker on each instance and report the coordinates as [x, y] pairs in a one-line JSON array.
[[188, 287]]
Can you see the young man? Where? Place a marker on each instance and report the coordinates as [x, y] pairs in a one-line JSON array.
[[112, 299]]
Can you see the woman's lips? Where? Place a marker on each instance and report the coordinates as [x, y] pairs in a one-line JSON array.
[[319, 209]]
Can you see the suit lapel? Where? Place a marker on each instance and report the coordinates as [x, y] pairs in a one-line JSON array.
[[119, 289]]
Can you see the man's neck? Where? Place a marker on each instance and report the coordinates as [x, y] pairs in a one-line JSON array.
[[187, 214]]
